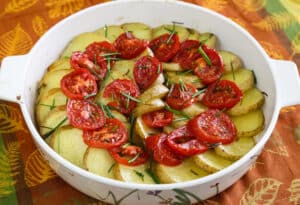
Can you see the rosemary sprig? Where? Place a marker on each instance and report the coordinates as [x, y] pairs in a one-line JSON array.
[[151, 173], [199, 92], [233, 74], [204, 55], [183, 72], [89, 95], [254, 76], [193, 172], [51, 107], [171, 90], [131, 98], [134, 158], [106, 109], [139, 174], [109, 54], [182, 85], [105, 31], [131, 130], [55, 128], [111, 167], [177, 112]]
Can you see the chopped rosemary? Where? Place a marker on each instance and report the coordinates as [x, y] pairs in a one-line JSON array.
[[109, 54], [152, 175], [204, 41], [177, 112], [125, 145], [182, 85], [199, 92], [171, 90], [254, 77], [105, 30], [171, 36], [139, 174], [111, 167], [90, 95], [43, 126], [134, 158], [204, 55], [131, 98], [193, 172], [106, 110], [55, 128], [233, 75], [179, 119], [132, 122], [183, 72]]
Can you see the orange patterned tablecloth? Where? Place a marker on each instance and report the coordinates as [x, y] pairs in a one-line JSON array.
[[25, 178]]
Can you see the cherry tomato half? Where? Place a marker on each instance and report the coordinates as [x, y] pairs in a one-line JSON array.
[[213, 126], [129, 46], [165, 47], [121, 92], [161, 152], [146, 71], [79, 84], [188, 54], [112, 134], [181, 96], [157, 119], [222, 94], [85, 115], [129, 155], [209, 73], [100, 49], [97, 66], [184, 143]]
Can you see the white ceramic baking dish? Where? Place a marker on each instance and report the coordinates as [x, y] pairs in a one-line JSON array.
[[19, 76]]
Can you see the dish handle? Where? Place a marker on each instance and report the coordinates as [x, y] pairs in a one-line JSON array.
[[288, 81], [12, 76]]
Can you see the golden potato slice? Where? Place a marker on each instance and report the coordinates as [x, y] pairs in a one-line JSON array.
[[242, 77], [174, 77], [111, 33], [139, 30], [250, 124], [142, 130], [231, 61], [149, 106], [171, 67], [208, 39], [210, 161], [60, 64], [181, 31], [99, 161], [156, 91], [194, 35]]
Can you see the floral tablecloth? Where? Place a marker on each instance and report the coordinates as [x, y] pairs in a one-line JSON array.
[[25, 178]]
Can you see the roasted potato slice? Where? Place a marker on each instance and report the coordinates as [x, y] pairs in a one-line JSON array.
[[244, 78], [208, 39], [142, 130], [174, 77], [60, 64], [110, 33], [231, 61], [149, 106], [194, 35], [181, 31], [156, 91], [139, 30], [186, 171]]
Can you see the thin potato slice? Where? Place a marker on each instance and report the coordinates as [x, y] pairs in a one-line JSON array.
[[210, 161], [80, 42], [49, 101], [252, 100], [142, 130], [133, 174], [51, 80], [236, 149], [242, 77], [166, 29], [99, 161], [159, 80], [157, 91], [60, 64], [111, 33], [186, 171], [231, 61], [149, 106], [208, 39], [174, 77], [171, 67], [139, 30], [250, 124], [54, 118], [124, 67], [67, 141]]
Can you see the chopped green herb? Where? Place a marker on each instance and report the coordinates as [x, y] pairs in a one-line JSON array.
[[183, 72], [106, 110], [152, 175], [254, 77], [199, 92], [232, 71], [109, 54], [177, 112], [171, 36], [131, 98], [219, 112], [111, 167], [204, 55], [204, 41], [134, 158], [55, 128], [90, 95], [139, 174], [125, 145], [105, 30], [171, 90], [182, 85], [132, 122], [193, 172]]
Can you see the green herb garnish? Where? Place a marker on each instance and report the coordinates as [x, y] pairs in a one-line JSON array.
[[111, 167], [55, 128], [204, 55], [134, 158], [131, 98], [193, 172], [139, 174], [90, 95], [105, 30], [177, 112], [106, 110], [171, 90], [182, 85], [109, 54], [254, 76], [151, 173], [179, 119], [199, 92], [231, 67], [183, 72], [132, 122]]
